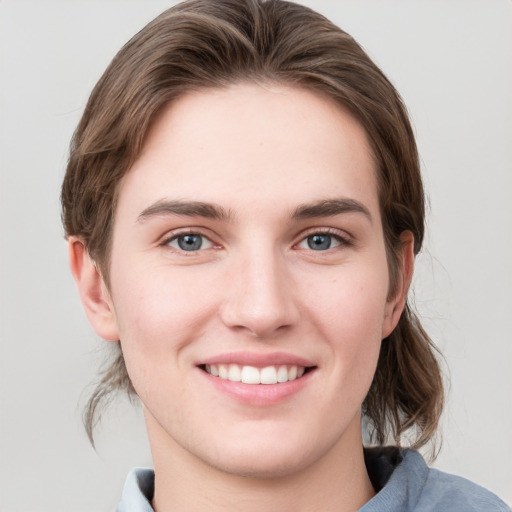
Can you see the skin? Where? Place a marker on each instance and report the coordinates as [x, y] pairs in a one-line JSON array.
[[259, 154]]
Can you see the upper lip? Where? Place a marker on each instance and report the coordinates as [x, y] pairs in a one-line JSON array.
[[258, 360]]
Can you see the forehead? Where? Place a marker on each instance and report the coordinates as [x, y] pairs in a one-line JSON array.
[[247, 144]]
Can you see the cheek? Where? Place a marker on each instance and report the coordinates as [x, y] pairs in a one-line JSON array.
[[152, 328], [350, 301], [350, 313], [145, 320], [160, 311], [156, 299]]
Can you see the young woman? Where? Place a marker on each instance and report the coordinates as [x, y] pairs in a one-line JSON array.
[[243, 205]]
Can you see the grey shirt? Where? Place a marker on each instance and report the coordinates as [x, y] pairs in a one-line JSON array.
[[404, 483]]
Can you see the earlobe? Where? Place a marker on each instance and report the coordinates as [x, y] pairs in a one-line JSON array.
[[93, 291], [395, 304]]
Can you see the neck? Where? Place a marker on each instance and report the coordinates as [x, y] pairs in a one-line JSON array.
[[337, 482]]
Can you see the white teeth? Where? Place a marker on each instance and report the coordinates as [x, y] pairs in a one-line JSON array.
[[223, 371], [268, 375], [234, 373], [250, 375], [282, 374], [253, 375]]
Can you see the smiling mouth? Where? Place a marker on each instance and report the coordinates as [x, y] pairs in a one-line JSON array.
[[253, 375]]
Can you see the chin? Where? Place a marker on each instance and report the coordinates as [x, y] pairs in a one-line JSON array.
[[261, 468], [264, 459]]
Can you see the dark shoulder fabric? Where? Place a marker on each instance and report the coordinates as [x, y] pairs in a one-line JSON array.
[[413, 487], [380, 463]]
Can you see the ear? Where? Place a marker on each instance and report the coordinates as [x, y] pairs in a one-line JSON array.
[[396, 303], [93, 291]]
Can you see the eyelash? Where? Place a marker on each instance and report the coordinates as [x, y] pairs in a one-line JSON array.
[[177, 234], [342, 240]]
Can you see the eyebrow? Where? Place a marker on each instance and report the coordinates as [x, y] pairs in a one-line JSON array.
[[323, 208], [330, 208], [184, 208]]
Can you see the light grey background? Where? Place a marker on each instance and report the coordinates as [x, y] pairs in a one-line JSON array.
[[452, 62]]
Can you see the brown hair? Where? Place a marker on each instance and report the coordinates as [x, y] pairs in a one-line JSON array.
[[214, 43]]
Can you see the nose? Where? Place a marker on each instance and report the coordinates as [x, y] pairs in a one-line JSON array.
[[260, 298]]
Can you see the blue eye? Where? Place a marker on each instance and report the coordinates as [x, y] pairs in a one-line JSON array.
[[319, 242], [322, 242], [190, 242]]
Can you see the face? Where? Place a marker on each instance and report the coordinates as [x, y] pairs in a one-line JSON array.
[[249, 281]]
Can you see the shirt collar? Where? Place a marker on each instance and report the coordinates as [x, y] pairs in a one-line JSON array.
[[138, 491], [397, 476]]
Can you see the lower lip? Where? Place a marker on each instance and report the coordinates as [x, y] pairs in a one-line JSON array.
[[259, 395]]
